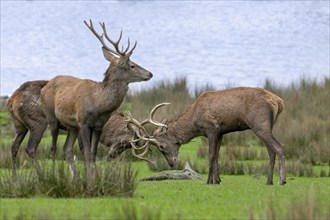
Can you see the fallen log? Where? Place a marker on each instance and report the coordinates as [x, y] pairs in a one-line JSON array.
[[186, 174]]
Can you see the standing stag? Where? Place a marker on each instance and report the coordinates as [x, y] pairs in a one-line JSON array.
[[216, 113], [28, 115], [83, 105]]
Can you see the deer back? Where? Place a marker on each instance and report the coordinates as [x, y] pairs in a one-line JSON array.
[[235, 109], [25, 104]]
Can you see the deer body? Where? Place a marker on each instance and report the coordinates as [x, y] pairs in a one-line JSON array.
[[88, 103], [83, 106], [216, 113]]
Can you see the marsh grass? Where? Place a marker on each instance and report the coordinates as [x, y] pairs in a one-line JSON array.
[[305, 206], [113, 179]]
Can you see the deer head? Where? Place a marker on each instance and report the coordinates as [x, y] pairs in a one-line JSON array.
[[167, 144], [120, 65]]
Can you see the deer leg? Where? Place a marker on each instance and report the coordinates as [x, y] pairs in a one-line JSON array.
[[95, 141], [21, 132], [54, 130], [33, 143], [69, 142], [213, 160], [81, 144], [279, 149], [267, 137], [85, 132], [216, 162], [272, 155]]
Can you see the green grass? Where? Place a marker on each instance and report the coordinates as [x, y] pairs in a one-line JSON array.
[[238, 197]]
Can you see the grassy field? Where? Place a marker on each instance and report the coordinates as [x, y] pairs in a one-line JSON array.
[[238, 197], [304, 127]]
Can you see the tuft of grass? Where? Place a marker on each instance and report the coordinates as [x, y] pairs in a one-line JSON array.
[[113, 179], [23, 186]]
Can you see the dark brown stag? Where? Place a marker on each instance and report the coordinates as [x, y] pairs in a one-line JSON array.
[[25, 109], [28, 115], [83, 105], [216, 113]]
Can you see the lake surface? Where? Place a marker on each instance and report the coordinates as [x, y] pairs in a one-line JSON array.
[[219, 43]]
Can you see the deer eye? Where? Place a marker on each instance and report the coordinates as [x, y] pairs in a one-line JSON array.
[[132, 66], [161, 147]]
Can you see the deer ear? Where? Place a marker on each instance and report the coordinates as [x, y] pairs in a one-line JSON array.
[[108, 55], [163, 130]]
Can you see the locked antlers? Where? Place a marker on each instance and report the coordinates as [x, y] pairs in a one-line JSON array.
[[140, 132], [117, 51]]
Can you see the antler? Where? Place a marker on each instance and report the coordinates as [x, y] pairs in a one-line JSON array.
[[145, 136], [136, 138], [122, 53], [151, 116]]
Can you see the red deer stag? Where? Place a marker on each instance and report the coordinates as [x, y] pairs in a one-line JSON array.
[[84, 105], [28, 115], [216, 113], [25, 109]]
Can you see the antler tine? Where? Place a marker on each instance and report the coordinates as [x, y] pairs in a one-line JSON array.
[[145, 147], [130, 119], [100, 37], [116, 43], [128, 46], [140, 156], [151, 116], [108, 38], [131, 51]]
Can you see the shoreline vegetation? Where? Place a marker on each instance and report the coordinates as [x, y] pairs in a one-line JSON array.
[[116, 193]]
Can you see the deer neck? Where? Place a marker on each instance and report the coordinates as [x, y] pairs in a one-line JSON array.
[[114, 90], [183, 128]]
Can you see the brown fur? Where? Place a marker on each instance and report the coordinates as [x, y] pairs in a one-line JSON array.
[[216, 113]]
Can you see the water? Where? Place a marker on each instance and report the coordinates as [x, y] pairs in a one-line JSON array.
[[222, 44]]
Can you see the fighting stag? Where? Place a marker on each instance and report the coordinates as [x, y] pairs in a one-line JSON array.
[[84, 106], [216, 113]]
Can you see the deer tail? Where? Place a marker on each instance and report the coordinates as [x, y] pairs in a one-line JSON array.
[[280, 108]]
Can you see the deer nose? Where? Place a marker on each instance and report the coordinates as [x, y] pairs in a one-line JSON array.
[[149, 76]]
